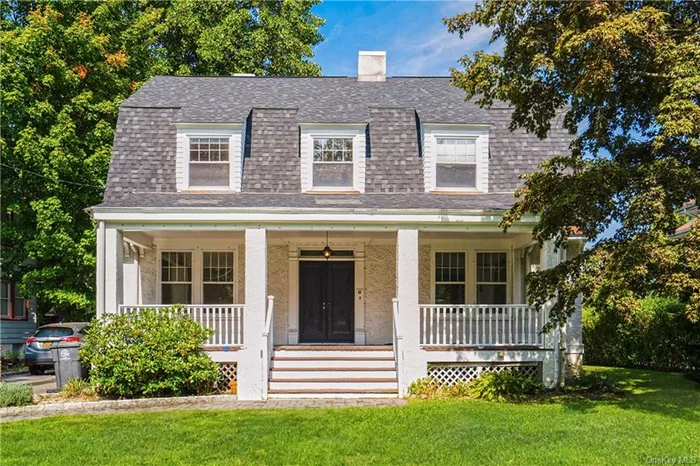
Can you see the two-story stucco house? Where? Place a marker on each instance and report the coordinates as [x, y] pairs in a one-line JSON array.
[[339, 234]]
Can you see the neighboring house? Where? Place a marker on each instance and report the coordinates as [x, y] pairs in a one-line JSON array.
[[17, 319], [366, 208], [690, 208]]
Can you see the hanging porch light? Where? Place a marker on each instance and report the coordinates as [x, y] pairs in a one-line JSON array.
[[327, 251]]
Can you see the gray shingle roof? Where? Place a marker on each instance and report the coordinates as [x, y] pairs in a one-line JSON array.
[[514, 153], [144, 152], [391, 201], [319, 100]]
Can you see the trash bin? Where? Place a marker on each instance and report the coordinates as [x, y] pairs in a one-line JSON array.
[[66, 363]]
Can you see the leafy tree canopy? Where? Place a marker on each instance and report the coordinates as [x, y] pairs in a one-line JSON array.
[[627, 75], [66, 67]]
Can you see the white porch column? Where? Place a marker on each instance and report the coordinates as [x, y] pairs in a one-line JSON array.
[[414, 365], [100, 264], [113, 271], [552, 366], [251, 380]]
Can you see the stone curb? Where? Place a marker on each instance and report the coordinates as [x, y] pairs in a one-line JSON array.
[[82, 407]]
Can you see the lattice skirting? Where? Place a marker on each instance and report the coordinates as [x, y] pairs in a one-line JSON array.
[[450, 373], [228, 371]]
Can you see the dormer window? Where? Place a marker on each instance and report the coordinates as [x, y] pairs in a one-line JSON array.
[[209, 162], [332, 163], [209, 156], [455, 163], [455, 157], [333, 157]]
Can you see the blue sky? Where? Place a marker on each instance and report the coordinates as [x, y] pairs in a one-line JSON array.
[[412, 33]]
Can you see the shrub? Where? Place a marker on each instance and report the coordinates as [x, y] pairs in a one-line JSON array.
[[592, 382], [78, 388], [656, 336], [15, 394], [507, 385], [428, 387], [156, 352]]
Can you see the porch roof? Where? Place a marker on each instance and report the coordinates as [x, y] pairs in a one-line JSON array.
[[491, 202]]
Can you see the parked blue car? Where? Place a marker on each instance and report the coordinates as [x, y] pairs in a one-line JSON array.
[[38, 352]]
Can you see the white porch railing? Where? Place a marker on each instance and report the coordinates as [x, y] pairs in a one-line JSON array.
[[227, 321], [481, 325]]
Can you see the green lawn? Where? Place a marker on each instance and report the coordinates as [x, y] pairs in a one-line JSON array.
[[658, 417]]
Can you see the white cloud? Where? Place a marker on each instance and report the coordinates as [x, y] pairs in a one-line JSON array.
[[433, 51]]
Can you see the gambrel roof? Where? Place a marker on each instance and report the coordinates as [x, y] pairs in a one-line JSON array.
[[145, 145]]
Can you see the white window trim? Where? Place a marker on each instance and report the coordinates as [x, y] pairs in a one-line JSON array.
[[430, 135], [470, 275], [509, 279], [235, 135], [433, 269], [159, 290], [197, 266], [354, 131], [233, 277]]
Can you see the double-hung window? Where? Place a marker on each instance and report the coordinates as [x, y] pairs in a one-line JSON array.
[[209, 164], [455, 163], [217, 278], [176, 277], [491, 277], [450, 278], [12, 306], [332, 162]]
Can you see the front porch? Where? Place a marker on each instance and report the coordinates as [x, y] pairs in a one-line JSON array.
[[402, 290]]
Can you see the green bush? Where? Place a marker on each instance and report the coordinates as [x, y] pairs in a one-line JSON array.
[[15, 394], [78, 388], [428, 387], [507, 385], [592, 382], [156, 352], [656, 336]]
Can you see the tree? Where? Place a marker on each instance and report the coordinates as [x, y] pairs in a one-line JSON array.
[[627, 76], [66, 67]]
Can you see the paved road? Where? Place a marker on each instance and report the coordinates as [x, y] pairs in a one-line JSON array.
[[39, 383]]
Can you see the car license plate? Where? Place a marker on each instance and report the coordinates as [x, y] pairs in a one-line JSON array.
[[47, 344]]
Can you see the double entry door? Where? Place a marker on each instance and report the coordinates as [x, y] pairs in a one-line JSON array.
[[326, 301]]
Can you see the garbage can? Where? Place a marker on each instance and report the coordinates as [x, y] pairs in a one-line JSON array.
[[67, 364]]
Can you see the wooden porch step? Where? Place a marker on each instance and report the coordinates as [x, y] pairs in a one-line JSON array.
[[334, 348], [319, 391]]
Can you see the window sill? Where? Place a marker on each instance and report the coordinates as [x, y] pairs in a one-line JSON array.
[[15, 319], [208, 189], [332, 191], [456, 191]]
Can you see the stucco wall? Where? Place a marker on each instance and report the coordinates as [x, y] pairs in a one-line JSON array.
[[240, 274], [424, 274], [278, 286], [149, 281], [380, 286]]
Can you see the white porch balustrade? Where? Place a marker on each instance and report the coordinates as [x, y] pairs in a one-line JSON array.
[[505, 325], [226, 321]]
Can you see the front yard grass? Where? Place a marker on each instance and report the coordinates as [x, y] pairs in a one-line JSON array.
[[658, 416]]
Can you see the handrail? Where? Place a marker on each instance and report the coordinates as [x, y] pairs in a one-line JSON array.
[[268, 337], [398, 342]]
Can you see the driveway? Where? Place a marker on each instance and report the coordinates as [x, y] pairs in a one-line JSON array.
[[39, 383]]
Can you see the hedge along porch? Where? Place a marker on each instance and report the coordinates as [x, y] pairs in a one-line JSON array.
[[405, 288]]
